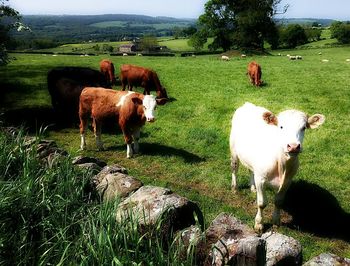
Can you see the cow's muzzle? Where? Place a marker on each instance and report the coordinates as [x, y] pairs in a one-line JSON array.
[[294, 148]]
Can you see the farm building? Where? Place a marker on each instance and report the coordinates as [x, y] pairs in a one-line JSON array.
[[127, 48]]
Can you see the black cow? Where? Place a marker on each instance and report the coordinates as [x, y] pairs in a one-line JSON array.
[[65, 85]]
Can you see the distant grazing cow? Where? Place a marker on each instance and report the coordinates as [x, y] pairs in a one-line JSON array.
[[132, 75], [65, 85], [254, 73], [225, 58], [130, 109], [107, 69], [268, 146]]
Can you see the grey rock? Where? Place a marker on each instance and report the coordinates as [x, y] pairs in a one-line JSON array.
[[108, 169], [152, 206], [328, 259], [117, 185], [282, 250], [84, 159], [188, 239], [92, 167], [229, 241]]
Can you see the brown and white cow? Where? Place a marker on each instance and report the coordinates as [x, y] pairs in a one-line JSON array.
[[107, 69], [254, 73], [132, 75], [130, 109], [268, 146]]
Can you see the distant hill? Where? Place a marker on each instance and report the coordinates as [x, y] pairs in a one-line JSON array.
[[110, 27], [306, 21]]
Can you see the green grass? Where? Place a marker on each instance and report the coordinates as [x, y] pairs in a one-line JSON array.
[[186, 149]]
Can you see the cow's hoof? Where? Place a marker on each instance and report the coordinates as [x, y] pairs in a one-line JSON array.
[[252, 188], [259, 228]]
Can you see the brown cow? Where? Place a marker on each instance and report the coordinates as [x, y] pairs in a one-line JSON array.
[[107, 69], [139, 76], [131, 110], [254, 72]]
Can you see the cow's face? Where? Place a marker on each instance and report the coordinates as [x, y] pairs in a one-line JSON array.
[[292, 125], [149, 105]]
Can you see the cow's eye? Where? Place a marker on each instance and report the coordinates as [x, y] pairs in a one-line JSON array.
[[303, 129], [281, 127]]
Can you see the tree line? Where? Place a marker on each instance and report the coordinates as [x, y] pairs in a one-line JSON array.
[[249, 24]]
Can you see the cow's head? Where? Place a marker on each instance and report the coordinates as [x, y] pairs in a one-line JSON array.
[[149, 104], [162, 94], [292, 125]]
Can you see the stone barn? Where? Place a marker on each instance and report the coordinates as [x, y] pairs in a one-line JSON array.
[[127, 48]]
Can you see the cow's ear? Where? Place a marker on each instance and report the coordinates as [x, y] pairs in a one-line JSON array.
[[161, 101], [315, 121], [136, 100], [270, 118]]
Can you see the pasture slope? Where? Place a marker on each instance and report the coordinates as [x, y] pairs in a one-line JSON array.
[[187, 149]]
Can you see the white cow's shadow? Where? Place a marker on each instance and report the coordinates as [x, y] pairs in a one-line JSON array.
[[317, 211]]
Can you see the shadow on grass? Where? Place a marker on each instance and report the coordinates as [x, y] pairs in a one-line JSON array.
[[31, 118], [317, 211], [155, 149]]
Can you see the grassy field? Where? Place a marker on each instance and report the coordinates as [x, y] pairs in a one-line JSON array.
[[187, 150]]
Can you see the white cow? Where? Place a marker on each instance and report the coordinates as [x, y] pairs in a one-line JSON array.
[[268, 146]]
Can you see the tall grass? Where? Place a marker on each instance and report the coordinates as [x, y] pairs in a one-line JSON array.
[[47, 217]]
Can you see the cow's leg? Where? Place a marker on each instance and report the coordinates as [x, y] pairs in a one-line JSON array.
[[252, 183], [261, 202], [97, 132], [136, 137], [279, 198], [234, 169], [128, 140], [83, 126]]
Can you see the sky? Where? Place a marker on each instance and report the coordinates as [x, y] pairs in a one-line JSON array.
[[333, 9]]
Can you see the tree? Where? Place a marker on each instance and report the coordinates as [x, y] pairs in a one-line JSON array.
[[148, 43], [9, 19], [240, 23], [197, 40], [341, 32], [293, 35], [313, 34]]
